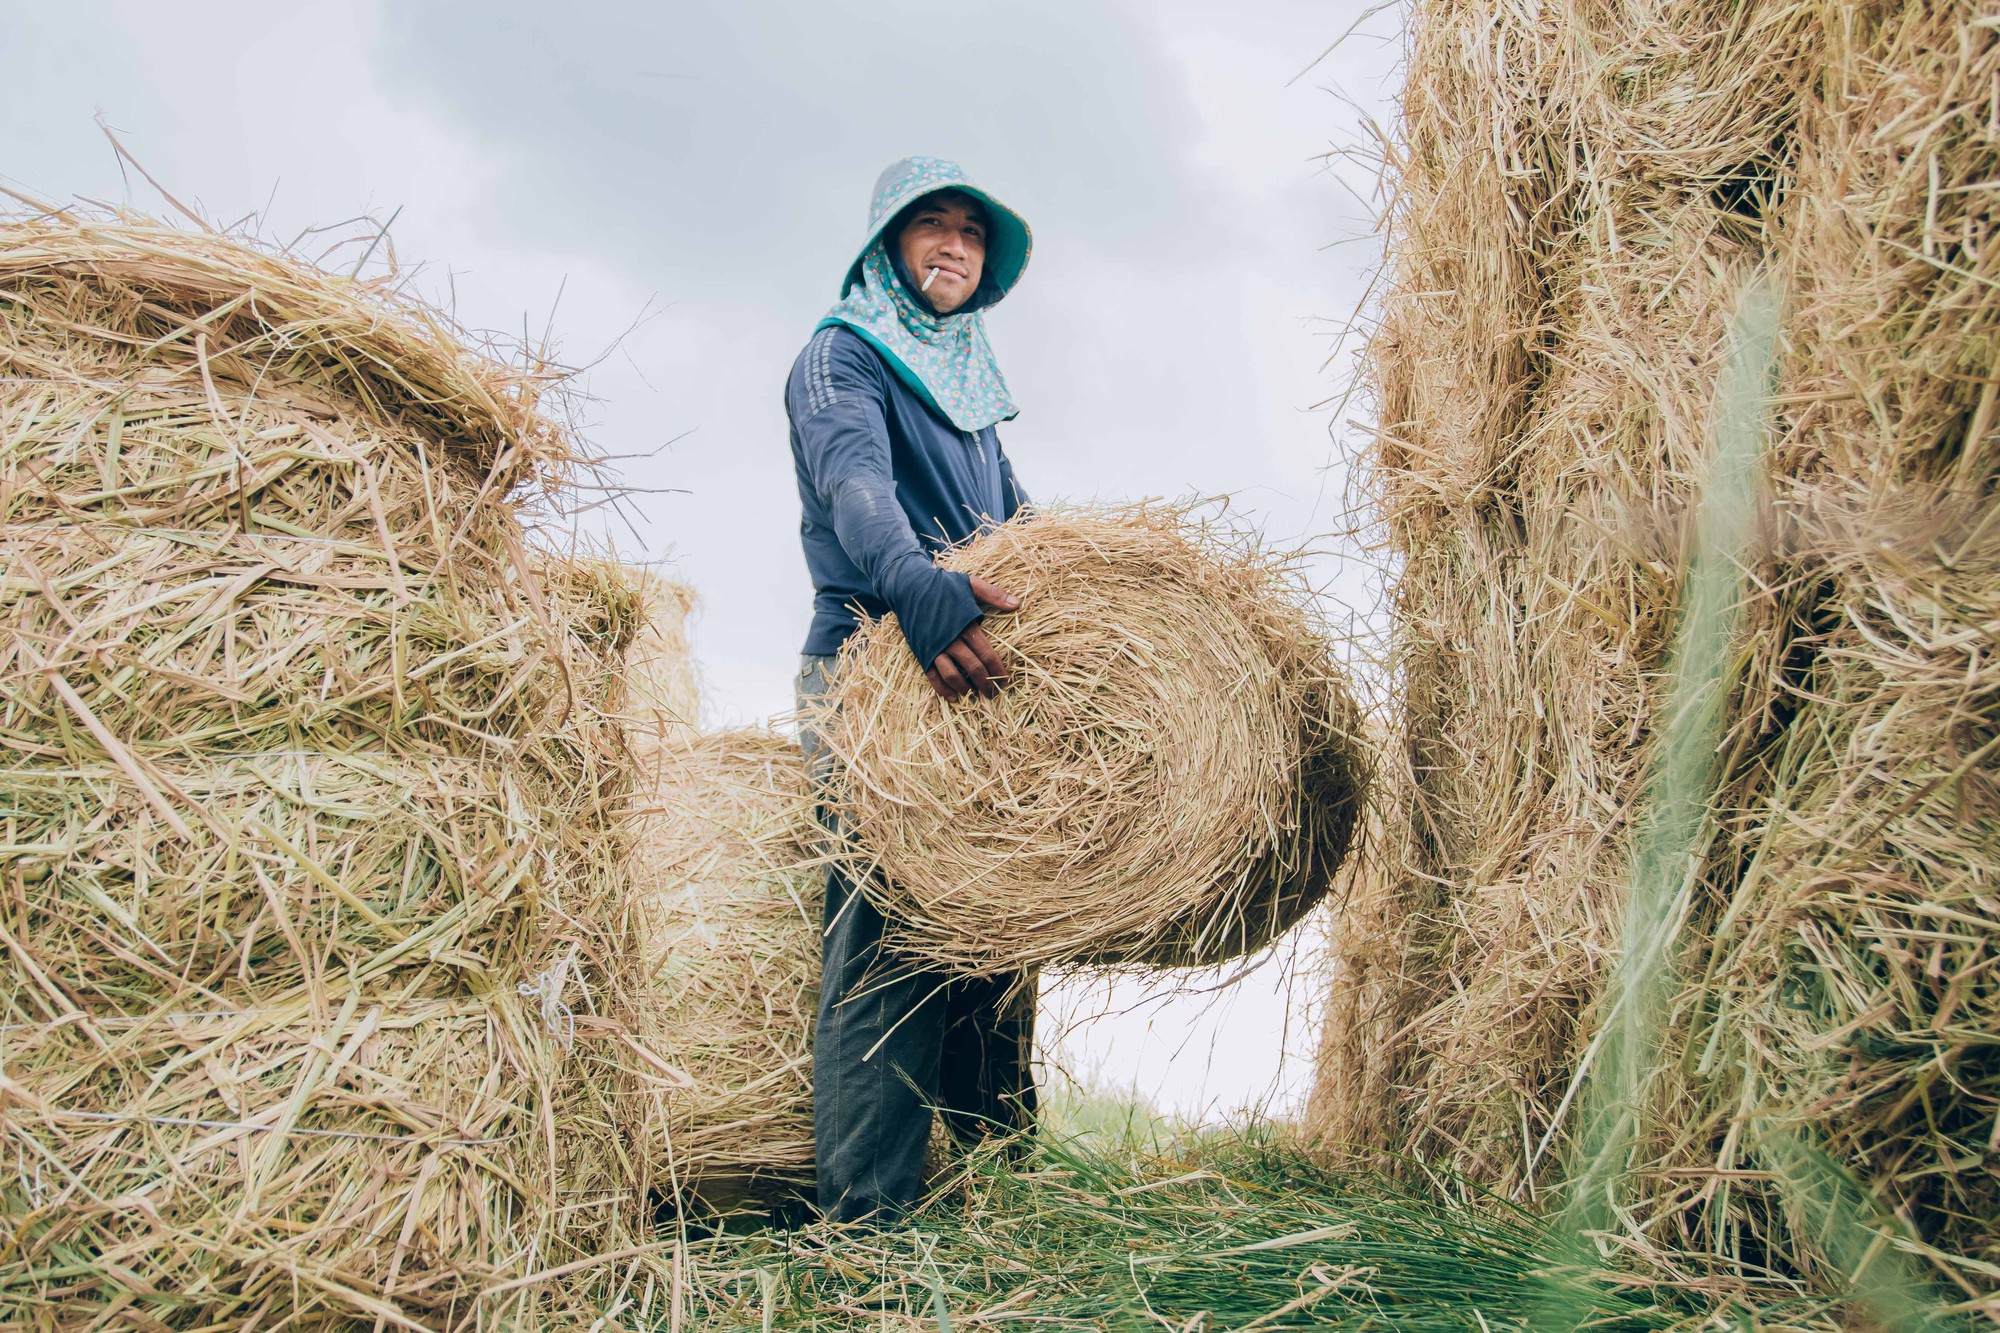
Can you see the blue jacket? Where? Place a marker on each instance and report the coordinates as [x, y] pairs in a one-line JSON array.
[[885, 483]]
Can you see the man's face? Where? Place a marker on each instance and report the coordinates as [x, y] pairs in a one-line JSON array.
[[946, 233]]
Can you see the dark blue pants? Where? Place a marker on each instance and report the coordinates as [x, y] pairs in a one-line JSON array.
[[896, 1039]]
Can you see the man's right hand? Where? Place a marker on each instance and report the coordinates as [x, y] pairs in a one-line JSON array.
[[970, 663]]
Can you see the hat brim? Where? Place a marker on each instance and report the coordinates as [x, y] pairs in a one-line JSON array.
[[1010, 242]]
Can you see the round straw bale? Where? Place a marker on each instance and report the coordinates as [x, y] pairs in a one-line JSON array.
[[662, 696], [727, 887], [307, 771], [1170, 779], [235, 366], [383, 1155]]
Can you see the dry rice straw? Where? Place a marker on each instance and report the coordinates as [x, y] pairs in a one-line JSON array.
[[1579, 191], [1170, 779], [297, 736]]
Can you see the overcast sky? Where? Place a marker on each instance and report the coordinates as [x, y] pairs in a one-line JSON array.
[[682, 186]]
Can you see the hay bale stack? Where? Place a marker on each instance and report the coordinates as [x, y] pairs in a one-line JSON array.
[[1170, 779], [727, 886], [303, 772], [1580, 194]]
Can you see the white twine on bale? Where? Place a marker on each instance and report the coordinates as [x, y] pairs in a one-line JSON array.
[[547, 987]]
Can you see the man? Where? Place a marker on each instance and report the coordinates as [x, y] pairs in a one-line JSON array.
[[892, 407]]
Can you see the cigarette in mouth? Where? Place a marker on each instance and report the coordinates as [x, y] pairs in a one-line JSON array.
[[928, 281]]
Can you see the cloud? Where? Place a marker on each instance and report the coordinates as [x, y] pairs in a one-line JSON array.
[[718, 158], [738, 129]]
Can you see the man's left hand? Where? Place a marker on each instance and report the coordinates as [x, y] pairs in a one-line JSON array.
[[970, 663]]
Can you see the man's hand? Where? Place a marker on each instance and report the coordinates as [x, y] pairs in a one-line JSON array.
[[969, 662]]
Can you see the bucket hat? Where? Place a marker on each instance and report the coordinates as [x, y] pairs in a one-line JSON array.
[[1008, 243]]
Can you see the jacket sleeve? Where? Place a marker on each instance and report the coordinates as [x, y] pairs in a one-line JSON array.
[[836, 398], [1012, 497]]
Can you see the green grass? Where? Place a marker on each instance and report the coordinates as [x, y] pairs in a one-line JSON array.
[[1093, 1117], [1217, 1231]]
